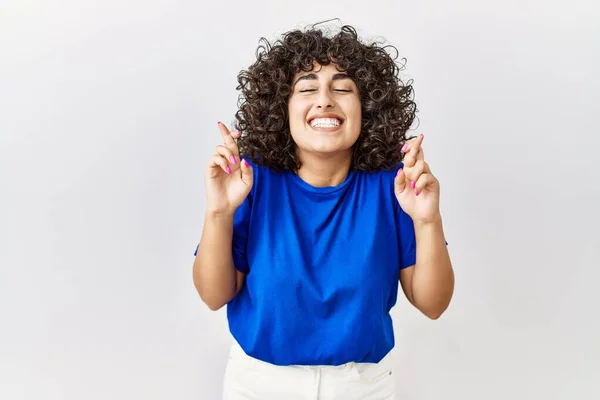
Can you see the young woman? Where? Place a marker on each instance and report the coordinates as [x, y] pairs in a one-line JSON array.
[[317, 206]]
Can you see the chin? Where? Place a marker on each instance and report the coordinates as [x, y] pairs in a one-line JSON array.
[[324, 143], [328, 149]]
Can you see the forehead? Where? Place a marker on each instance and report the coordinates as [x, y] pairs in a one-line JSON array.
[[321, 70]]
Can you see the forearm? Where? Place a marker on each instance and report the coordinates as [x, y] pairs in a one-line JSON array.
[[214, 271], [433, 278]]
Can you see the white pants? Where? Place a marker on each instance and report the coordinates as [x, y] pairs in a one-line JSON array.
[[248, 378]]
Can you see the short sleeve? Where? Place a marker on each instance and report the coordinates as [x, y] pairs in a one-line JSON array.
[[241, 224], [407, 242]]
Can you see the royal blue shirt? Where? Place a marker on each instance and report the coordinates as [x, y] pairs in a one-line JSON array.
[[322, 267]]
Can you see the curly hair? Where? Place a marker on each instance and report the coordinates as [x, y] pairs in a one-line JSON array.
[[388, 110]]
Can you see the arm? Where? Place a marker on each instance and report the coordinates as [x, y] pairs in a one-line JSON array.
[[429, 284], [229, 180], [215, 277]]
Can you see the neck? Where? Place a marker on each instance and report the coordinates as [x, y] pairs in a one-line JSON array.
[[331, 170]]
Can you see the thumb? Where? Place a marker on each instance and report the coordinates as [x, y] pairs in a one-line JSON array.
[[400, 182], [247, 173]]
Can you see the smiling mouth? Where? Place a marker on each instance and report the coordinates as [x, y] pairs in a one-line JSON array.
[[325, 123]]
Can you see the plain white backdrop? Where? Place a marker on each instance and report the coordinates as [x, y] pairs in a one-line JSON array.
[[108, 113]]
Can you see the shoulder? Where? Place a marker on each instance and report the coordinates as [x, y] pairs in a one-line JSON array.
[[259, 169], [381, 176], [258, 166], [263, 176], [381, 184]]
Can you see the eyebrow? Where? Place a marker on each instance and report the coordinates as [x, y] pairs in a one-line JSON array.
[[313, 76]]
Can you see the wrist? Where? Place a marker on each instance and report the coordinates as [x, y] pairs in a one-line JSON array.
[[219, 215], [435, 221], [430, 230]]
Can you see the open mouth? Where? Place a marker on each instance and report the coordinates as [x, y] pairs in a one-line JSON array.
[[328, 122]]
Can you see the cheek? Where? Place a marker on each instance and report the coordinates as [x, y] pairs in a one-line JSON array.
[[357, 106], [352, 106], [355, 114], [296, 112]]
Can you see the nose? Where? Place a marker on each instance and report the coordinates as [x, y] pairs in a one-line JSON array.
[[325, 100]]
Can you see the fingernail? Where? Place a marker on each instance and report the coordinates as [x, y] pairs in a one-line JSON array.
[[236, 132], [232, 159], [227, 169], [416, 192], [245, 163], [412, 184], [218, 123], [405, 147]]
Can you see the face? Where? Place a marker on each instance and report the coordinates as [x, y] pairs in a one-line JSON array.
[[324, 111]]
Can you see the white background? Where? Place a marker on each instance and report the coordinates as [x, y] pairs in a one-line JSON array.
[[108, 115]]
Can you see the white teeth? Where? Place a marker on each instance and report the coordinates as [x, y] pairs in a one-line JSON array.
[[324, 122]]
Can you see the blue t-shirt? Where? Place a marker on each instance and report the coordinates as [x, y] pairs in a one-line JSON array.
[[322, 267]]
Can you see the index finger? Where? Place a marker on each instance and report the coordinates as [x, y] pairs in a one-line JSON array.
[[230, 139], [414, 152], [227, 138]]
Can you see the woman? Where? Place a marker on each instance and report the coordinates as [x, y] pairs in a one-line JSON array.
[[312, 218]]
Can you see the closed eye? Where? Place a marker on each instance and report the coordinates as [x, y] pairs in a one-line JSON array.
[[335, 90]]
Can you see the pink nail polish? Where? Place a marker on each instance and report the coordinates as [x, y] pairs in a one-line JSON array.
[[412, 184], [416, 192], [404, 147], [245, 163], [228, 170], [232, 159]]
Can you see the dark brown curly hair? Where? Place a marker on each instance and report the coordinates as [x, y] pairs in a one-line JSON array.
[[388, 110]]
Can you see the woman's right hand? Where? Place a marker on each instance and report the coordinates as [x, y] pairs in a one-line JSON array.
[[228, 179]]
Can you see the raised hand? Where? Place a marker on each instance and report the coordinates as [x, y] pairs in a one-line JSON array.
[[228, 179], [417, 190]]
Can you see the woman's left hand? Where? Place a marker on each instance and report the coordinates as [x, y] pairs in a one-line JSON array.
[[417, 190]]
